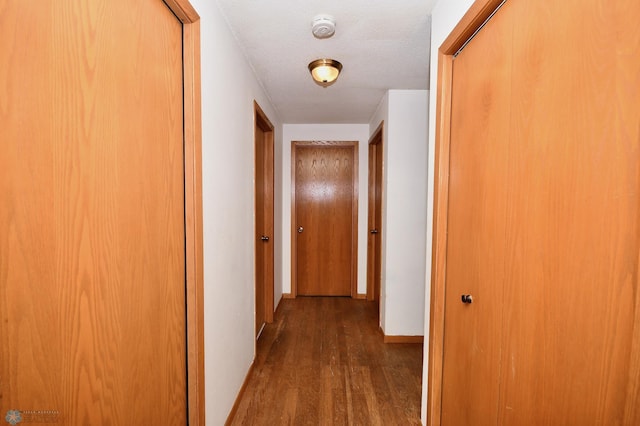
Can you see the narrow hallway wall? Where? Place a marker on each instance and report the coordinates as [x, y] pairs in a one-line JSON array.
[[404, 210], [229, 88]]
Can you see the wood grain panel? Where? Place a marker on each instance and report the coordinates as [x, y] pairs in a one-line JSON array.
[[570, 336], [92, 237], [571, 261], [476, 216], [325, 207]]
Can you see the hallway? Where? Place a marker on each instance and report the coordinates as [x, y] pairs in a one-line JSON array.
[[323, 361]]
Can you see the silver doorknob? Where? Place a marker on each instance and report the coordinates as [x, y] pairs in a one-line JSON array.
[[300, 229], [373, 231], [264, 238]]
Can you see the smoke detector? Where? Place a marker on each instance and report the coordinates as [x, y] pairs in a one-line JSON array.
[[323, 26]]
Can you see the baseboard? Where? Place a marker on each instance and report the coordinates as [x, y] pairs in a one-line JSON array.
[[275, 313], [358, 296], [403, 339], [234, 409]]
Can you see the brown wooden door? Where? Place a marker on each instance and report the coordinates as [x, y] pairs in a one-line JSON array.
[[374, 239], [325, 205], [264, 219], [92, 218], [477, 208], [543, 223], [574, 304]]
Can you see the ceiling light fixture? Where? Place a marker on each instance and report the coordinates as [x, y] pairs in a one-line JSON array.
[[325, 71]]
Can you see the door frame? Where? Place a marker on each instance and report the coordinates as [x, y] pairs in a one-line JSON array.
[[376, 142], [354, 213], [194, 273], [262, 121], [471, 22]]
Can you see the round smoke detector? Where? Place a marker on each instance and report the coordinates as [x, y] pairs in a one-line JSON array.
[[323, 26]]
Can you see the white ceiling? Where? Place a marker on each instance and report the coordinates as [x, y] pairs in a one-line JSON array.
[[382, 45]]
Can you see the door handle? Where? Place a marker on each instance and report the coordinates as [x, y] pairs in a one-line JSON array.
[[264, 238], [373, 231], [300, 229], [466, 298]]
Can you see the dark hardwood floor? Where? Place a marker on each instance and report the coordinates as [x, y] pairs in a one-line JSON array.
[[323, 362]]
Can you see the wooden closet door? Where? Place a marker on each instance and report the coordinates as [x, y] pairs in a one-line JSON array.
[[572, 317], [544, 219], [92, 218], [477, 213]]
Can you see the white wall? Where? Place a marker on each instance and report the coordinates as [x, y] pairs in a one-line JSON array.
[[404, 210], [444, 17], [228, 91], [325, 132]]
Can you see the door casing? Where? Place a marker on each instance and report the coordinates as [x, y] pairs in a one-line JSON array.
[[193, 206]]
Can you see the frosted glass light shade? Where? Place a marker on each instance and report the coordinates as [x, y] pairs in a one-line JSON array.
[[325, 71]]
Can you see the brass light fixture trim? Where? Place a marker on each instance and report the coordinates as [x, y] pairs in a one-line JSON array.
[[325, 71]]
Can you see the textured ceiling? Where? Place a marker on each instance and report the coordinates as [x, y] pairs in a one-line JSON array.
[[382, 44]]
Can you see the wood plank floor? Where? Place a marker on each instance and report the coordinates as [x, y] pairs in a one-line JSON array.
[[323, 362]]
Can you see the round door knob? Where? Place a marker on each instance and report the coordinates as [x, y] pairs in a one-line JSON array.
[[374, 231], [467, 298], [300, 229], [264, 238]]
